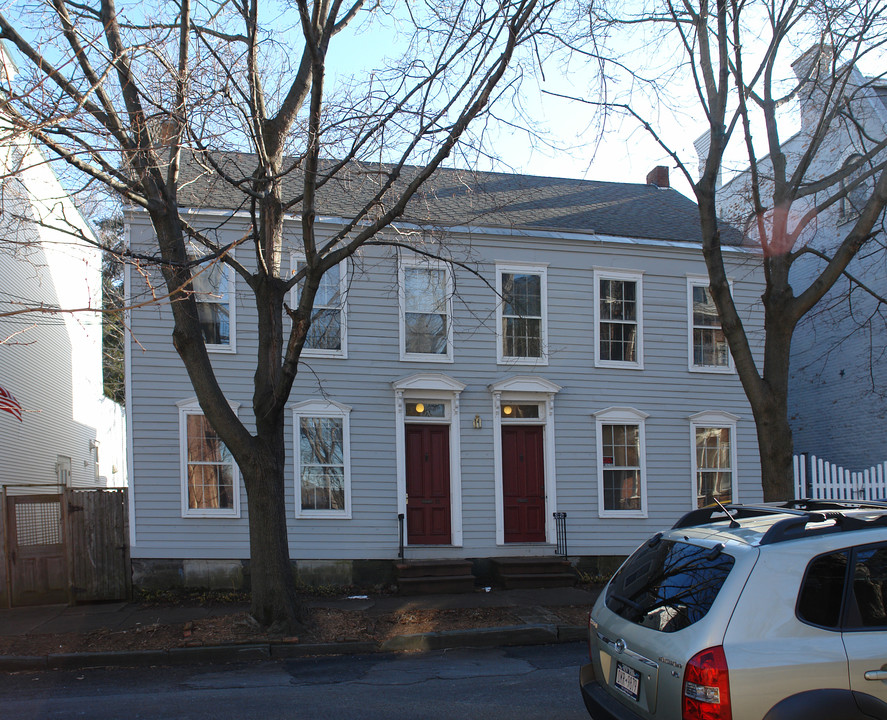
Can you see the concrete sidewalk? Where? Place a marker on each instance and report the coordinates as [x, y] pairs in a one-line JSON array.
[[532, 607]]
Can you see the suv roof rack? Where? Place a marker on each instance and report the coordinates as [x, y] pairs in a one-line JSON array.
[[802, 513]]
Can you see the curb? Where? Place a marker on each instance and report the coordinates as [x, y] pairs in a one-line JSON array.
[[539, 634]]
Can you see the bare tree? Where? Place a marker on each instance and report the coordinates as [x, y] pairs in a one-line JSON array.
[[134, 98], [735, 57]]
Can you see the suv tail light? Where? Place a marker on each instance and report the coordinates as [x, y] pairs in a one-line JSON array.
[[707, 687]]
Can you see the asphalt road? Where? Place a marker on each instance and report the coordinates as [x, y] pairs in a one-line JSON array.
[[529, 683]]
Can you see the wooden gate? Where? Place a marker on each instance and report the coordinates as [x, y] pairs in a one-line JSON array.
[[37, 564], [98, 545], [69, 547]]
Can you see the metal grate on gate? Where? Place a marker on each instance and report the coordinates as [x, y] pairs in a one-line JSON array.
[[38, 523]]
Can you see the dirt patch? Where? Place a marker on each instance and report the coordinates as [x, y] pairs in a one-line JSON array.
[[324, 625]]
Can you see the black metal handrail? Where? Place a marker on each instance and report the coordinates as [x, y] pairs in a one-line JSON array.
[[560, 528], [400, 518]]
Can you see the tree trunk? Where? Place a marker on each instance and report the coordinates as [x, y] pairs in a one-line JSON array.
[[776, 448], [275, 604]]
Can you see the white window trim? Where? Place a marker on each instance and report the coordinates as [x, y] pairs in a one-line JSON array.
[[413, 262], [625, 275], [192, 407], [526, 269], [231, 347], [621, 416], [295, 259], [431, 386], [696, 281], [717, 419], [529, 389], [328, 409]]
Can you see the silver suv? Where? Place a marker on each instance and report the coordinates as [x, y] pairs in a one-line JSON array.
[[773, 612]]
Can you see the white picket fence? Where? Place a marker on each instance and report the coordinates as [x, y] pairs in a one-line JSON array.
[[832, 482]]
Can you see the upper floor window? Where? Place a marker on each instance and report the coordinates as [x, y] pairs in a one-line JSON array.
[[522, 319], [210, 478], [619, 319], [326, 336], [426, 311], [713, 435], [213, 284], [323, 467], [622, 482], [708, 344], [854, 198]]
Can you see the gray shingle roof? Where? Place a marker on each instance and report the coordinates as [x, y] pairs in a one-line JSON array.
[[463, 197]]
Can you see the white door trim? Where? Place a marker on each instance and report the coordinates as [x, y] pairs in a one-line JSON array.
[[526, 388]]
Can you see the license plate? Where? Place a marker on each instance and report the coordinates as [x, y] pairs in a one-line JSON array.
[[628, 680]]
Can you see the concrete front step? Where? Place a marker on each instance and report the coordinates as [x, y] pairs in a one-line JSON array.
[[533, 572], [433, 584]]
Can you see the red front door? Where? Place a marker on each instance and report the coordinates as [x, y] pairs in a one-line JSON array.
[[428, 484], [523, 483]]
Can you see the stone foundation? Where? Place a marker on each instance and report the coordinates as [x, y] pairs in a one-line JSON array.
[[166, 574]]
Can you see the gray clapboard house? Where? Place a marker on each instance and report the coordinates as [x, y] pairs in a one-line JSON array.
[[838, 382], [579, 369]]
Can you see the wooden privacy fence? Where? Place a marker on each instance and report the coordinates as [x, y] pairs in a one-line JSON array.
[[98, 545], [821, 480], [64, 547]]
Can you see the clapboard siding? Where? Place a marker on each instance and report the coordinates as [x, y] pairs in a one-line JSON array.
[[51, 363], [664, 389]]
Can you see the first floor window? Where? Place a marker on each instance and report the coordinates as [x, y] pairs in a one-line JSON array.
[[210, 476], [709, 344], [622, 467], [323, 465], [621, 463], [714, 465]]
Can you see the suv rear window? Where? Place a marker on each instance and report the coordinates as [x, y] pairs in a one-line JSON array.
[[668, 585]]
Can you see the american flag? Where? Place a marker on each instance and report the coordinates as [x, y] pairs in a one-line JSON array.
[[9, 404]]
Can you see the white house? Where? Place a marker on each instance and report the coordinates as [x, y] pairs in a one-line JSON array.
[[68, 434]]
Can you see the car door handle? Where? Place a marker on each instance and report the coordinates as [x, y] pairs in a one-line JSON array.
[[876, 675]]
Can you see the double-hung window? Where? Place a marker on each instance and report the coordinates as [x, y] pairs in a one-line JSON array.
[[426, 301], [522, 314], [622, 482], [323, 466], [619, 319], [713, 438], [210, 478], [213, 284], [708, 344], [326, 336]]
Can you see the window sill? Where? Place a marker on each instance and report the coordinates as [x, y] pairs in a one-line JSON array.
[[322, 515], [226, 349], [610, 365], [532, 361], [210, 514], [616, 514], [331, 354], [713, 369]]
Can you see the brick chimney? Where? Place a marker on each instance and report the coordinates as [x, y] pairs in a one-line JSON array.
[[814, 72], [658, 176]]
